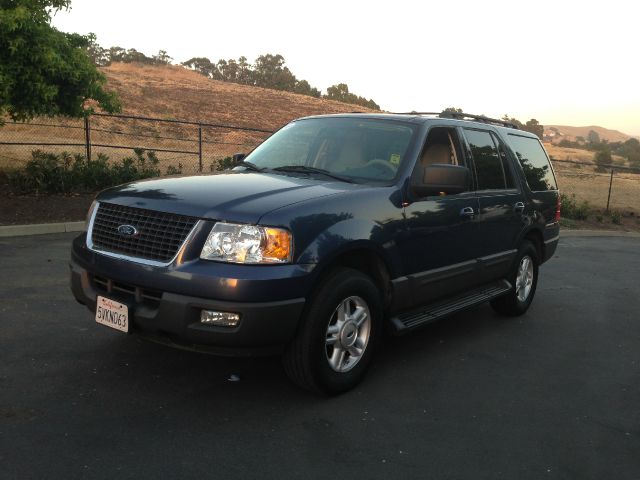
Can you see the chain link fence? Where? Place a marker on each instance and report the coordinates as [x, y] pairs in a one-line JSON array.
[[604, 187], [189, 147], [192, 147]]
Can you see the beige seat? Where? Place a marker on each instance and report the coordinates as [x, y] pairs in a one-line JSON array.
[[436, 153], [351, 155]]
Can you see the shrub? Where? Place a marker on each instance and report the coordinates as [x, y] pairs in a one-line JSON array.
[[224, 164], [65, 173], [572, 209], [616, 217], [171, 170]]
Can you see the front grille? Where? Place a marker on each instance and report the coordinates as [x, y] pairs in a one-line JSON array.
[[159, 235], [129, 293]]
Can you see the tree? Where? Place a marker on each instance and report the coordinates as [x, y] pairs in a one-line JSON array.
[[162, 58], [44, 71], [204, 66], [603, 157], [452, 110], [270, 72], [593, 137], [534, 127], [513, 121], [98, 55], [340, 92]]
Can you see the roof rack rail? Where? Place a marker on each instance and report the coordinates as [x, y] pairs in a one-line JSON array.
[[465, 116], [478, 118]]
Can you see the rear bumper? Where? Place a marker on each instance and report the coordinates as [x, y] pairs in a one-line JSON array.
[[173, 317]]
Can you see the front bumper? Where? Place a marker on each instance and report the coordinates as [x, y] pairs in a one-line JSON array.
[[165, 303]]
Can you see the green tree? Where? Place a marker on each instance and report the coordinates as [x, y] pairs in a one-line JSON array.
[[340, 92], [514, 121], [452, 110], [98, 55], [593, 137], [162, 58], [603, 157], [204, 66], [44, 71], [270, 72], [534, 127]]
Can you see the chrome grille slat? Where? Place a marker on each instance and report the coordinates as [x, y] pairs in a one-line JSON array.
[[160, 234]]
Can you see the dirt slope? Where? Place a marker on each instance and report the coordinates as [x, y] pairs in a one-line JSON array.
[[570, 133], [175, 92]]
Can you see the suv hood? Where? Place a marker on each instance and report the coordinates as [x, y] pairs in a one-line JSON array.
[[241, 197]]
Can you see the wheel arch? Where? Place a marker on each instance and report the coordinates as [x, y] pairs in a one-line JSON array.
[[365, 259], [534, 235]]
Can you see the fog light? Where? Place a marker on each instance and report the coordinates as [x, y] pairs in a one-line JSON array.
[[221, 319]]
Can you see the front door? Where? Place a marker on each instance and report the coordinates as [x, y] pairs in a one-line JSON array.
[[437, 251]]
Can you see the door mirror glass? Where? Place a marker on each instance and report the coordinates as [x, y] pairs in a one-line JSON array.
[[238, 157], [440, 179]]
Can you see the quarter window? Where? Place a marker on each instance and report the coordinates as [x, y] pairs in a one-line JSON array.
[[534, 161]]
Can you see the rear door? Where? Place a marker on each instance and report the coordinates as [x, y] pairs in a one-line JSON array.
[[501, 203]]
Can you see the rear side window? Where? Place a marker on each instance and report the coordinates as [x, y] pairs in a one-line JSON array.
[[489, 167], [535, 163]]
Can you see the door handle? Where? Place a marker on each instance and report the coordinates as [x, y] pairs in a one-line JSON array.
[[468, 212], [518, 207]]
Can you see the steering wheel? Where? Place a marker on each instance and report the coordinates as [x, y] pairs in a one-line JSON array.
[[382, 163]]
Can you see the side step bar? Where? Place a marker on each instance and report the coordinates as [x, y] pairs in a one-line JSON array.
[[405, 322]]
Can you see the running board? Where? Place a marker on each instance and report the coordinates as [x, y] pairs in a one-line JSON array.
[[408, 321]]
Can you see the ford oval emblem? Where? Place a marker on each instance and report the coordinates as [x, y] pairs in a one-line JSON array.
[[127, 231]]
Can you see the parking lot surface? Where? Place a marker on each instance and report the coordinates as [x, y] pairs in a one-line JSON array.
[[552, 394]]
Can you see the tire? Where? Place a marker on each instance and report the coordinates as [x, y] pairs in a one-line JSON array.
[[524, 278], [343, 315]]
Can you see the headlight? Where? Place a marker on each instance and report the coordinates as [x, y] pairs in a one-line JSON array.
[[229, 242]]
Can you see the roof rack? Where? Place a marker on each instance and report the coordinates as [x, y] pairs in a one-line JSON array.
[[465, 116]]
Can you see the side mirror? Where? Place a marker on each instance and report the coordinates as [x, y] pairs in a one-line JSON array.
[[439, 178], [238, 157]]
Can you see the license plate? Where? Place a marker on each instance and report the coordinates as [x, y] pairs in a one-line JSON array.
[[112, 314]]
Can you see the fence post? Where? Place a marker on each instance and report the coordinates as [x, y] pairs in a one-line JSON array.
[[87, 137], [200, 147], [610, 184]]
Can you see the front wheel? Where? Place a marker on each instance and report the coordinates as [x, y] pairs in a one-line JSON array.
[[524, 279], [335, 342]]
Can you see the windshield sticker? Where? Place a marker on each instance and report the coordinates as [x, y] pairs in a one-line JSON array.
[[394, 159]]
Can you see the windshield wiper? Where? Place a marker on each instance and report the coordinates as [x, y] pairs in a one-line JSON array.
[[249, 166], [306, 169]]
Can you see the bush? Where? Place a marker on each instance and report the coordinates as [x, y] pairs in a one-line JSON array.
[[226, 163], [66, 173], [603, 157], [572, 209], [616, 217]]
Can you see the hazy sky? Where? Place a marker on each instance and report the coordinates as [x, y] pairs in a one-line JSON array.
[[561, 62]]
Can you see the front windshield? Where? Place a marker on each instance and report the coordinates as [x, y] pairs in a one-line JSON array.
[[355, 148]]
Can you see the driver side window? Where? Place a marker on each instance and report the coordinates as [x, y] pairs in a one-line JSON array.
[[441, 147]]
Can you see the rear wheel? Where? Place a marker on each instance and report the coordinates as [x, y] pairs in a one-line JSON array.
[[524, 279], [336, 340]]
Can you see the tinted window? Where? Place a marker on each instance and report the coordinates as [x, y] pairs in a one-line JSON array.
[[489, 171], [534, 161]]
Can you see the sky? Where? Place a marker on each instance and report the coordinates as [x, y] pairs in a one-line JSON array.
[[562, 62]]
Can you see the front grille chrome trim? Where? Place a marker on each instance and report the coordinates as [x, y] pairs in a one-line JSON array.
[[143, 261]]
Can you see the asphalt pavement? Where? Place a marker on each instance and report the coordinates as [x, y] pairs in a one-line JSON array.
[[552, 394]]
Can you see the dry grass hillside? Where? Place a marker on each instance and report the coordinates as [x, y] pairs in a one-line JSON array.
[[565, 132], [172, 93], [175, 92], [588, 184]]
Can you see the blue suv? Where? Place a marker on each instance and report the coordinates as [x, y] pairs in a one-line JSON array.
[[334, 229]]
